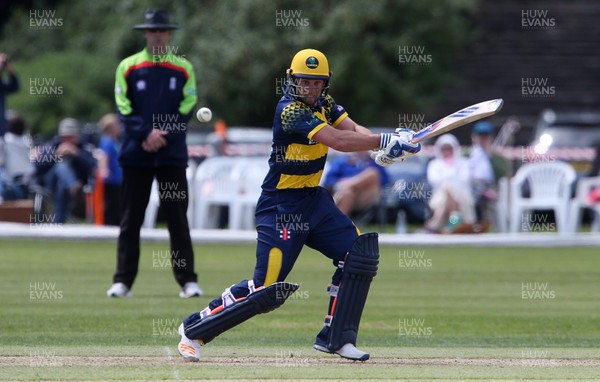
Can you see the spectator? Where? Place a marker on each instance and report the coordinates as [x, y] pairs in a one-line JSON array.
[[64, 166], [448, 174], [155, 93], [487, 167], [355, 181], [17, 167], [108, 165], [9, 83]]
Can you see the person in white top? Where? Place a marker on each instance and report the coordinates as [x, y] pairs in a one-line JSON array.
[[450, 179], [17, 169]]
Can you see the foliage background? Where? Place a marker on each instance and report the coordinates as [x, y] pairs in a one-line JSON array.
[[239, 51]]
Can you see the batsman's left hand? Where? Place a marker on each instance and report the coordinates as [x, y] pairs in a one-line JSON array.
[[396, 147]]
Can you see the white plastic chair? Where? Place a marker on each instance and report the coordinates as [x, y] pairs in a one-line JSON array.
[[154, 202], [214, 186], [502, 205], [584, 186], [549, 188], [249, 175]]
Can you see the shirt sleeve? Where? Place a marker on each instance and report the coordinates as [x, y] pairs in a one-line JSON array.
[[190, 93], [297, 118], [336, 113], [132, 121]]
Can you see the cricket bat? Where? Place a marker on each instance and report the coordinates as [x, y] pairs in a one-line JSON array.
[[459, 118]]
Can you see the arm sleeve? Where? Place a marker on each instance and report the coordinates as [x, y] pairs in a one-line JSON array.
[[336, 112], [190, 95], [133, 123]]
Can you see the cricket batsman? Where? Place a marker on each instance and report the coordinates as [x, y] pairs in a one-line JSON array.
[[294, 211]]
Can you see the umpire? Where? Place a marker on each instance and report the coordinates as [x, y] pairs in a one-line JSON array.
[[155, 93]]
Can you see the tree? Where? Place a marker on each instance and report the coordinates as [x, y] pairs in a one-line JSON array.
[[241, 48]]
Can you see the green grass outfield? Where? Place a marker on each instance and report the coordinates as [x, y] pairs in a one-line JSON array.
[[432, 314]]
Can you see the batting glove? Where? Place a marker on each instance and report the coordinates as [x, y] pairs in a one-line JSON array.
[[396, 147]]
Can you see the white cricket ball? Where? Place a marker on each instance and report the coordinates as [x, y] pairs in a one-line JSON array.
[[204, 114]]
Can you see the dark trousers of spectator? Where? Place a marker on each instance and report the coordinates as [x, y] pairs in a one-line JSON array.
[[112, 210], [135, 193]]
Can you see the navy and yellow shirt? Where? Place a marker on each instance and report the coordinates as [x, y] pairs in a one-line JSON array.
[[154, 92], [296, 161]]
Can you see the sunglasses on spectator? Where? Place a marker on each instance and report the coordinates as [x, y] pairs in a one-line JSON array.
[[159, 30]]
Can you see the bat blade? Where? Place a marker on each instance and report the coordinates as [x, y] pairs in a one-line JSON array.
[[459, 118]]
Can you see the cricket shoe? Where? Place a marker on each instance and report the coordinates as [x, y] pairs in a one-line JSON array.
[[118, 290], [347, 351], [190, 289], [189, 349]]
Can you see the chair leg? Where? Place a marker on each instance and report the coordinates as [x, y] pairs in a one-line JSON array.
[[596, 221], [515, 219]]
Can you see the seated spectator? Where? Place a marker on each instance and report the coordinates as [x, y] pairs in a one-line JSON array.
[[109, 169], [451, 200], [15, 161], [487, 167], [355, 181], [63, 167]]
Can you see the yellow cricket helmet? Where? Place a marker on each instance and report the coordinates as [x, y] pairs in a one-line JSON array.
[[307, 63]]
